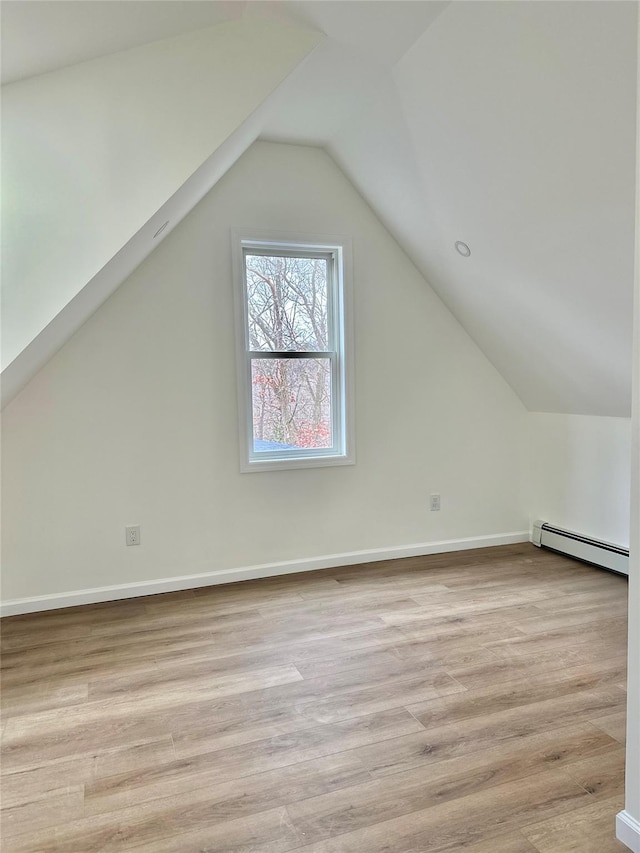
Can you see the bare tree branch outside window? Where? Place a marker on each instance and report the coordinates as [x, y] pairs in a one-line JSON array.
[[287, 301]]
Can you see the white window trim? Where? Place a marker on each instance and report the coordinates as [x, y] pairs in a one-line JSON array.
[[242, 238]]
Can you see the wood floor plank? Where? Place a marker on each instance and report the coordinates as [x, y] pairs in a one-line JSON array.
[[489, 598], [609, 635], [31, 785], [283, 718], [449, 622], [265, 832], [201, 726], [38, 630], [512, 843], [80, 665], [30, 698], [614, 591], [505, 695], [388, 797], [543, 622], [204, 807], [20, 784], [334, 646], [59, 806], [463, 653], [370, 604], [464, 821], [602, 776], [235, 762], [224, 599], [590, 829], [379, 664], [144, 701], [172, 677], [481, 732], [397, 692], [519, 667], [614, 725]]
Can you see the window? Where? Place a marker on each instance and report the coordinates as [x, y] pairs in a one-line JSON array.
[[293, 354]]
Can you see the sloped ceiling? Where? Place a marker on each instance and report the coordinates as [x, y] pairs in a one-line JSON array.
[[527, 153], [43, 36], [93, 152], [509, 126]]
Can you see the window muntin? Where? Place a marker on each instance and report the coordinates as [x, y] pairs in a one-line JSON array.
[[293, 376]]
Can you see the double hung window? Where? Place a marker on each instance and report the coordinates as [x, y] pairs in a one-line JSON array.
[[292, 353]]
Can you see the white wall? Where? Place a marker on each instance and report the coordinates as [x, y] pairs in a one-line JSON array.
[[579, 474], [91, 151], [628, 823], [134, 420]]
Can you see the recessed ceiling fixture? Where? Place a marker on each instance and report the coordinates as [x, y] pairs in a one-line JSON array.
[[160, 229], [462, 249]]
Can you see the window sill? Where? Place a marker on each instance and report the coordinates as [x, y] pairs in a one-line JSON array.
[[301, 462]]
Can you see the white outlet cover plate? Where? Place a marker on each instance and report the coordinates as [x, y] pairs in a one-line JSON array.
[[132, 534]]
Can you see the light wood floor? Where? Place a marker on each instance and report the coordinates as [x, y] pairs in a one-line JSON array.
[[472, 702]]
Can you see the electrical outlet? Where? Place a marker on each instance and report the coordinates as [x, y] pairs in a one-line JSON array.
[[434, 503], [132, 534]]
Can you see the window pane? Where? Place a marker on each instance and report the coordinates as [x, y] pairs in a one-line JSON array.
[[291, 400], [287, 303]]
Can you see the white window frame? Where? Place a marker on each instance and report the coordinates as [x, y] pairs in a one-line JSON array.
[[338, 250]]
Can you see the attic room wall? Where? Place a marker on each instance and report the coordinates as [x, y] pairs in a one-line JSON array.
[[134, 421], [579, 474], [628, 822]]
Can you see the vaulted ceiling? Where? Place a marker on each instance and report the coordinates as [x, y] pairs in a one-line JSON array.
[[509, 126]]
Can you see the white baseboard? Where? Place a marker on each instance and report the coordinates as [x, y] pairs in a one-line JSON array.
[[16, 606], [628, 831]]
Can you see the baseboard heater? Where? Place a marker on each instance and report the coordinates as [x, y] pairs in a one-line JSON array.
[[593, 551]]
